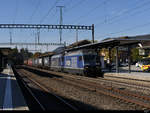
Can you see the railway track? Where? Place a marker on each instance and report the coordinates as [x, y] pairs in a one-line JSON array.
[[42, 98], [121, 84], [127, 85], [117, 77], [129, 97], [111, 91]]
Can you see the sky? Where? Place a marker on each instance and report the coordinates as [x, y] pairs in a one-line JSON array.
[[112, 18]]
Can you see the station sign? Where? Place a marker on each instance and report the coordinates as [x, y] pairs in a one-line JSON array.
[[141, 52], [123, 48]]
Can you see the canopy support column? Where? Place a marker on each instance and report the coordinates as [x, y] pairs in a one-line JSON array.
[[129, 59], [117, 61], [110, 62]]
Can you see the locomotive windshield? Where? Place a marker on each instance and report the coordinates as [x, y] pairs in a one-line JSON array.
[[90, 59]]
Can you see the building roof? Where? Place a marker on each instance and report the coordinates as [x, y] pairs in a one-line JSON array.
[[5, 51], [59, 50], [47, 54], [79, 43], [145, 43]]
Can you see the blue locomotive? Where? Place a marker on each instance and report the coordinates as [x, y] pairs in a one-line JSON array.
[[81, 62]]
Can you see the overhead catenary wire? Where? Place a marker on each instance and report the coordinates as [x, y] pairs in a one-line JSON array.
[[131, 28], [128, 29], [91, 11], [132, 14], [35, 10], [16, 11], [72, 7], [123, 13], [68, 3], [76, 5], [14, 19], [51, 8]]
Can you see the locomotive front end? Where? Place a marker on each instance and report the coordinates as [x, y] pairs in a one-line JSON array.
[[92, 63], [93, 71]]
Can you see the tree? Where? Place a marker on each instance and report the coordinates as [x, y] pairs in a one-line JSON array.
[[19, 57], [25, 53], [135, 55], [13, 55]]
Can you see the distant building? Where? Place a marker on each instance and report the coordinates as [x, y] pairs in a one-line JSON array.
[[79, 43], [143, 46]]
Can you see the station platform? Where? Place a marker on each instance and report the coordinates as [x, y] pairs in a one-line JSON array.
[[11, 97], [135, 73]]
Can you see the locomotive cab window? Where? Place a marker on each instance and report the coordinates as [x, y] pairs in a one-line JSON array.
[[89, 57], [80, 58]]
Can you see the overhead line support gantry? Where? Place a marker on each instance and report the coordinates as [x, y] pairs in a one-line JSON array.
[[46, 26]]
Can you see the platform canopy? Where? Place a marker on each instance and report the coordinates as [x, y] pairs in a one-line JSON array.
[[113, 42], [5, 51], [46, 54]]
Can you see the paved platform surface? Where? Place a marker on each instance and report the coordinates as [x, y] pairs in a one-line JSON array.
[[11, 97], [136, 73]]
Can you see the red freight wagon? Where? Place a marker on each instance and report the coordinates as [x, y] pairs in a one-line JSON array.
[[30, 62], [25, 62]]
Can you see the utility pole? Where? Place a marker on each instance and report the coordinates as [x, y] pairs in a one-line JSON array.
[[93, 33], [77, 36], [38, 36], [10, 33], [60, 22], [35, 41]]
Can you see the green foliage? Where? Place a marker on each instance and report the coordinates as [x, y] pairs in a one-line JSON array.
[[18, 57], [135, 55]]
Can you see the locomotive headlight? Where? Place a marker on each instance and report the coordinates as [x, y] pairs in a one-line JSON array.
[[86, 66]]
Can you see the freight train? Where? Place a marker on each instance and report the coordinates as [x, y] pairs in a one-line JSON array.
[[81, 62]]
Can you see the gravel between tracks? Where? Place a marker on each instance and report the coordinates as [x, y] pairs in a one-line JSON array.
[[82, 98]]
